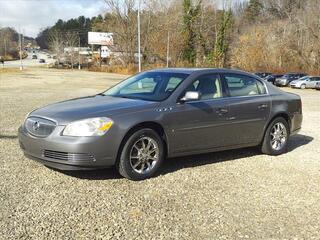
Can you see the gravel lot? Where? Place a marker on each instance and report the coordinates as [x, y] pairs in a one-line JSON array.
[[227, 195]]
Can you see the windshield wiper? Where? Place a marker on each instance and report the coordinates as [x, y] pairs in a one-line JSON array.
[[126, 96]]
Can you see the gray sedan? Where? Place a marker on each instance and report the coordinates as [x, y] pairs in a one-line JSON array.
[[160, 114], [305, 82]]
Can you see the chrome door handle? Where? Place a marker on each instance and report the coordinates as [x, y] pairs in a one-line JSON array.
[[222, 111], [263, 106]]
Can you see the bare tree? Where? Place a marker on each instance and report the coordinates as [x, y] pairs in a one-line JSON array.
[[56, 43], [122, 21], [71, 40]]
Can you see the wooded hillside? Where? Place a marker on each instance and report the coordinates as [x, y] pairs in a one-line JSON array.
[[255, 35]]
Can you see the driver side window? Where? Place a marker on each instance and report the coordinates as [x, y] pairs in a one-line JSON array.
[[209, 87]]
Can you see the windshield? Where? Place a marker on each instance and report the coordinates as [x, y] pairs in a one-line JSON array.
[[152, 86]]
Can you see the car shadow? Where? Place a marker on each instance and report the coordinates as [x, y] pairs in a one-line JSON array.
[[99, 174], [298, 140], [174, 164]]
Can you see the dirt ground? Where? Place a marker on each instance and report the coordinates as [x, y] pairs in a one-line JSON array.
[[239, 194]]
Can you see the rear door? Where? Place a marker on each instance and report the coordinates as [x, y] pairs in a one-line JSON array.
[[249, 108], [312, 82], [316, 82]]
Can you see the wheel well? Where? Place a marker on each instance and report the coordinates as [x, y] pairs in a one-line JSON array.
[[283, 115], [152, 125]]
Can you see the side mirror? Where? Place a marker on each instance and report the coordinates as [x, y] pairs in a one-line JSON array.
[[190, 96]]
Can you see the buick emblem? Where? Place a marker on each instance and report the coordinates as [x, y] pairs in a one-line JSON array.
[[36, 125]]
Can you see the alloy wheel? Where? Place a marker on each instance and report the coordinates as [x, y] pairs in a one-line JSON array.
[[278, 136], [144, 155]]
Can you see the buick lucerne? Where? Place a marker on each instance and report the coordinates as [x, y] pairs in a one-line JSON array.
[[161, 114]]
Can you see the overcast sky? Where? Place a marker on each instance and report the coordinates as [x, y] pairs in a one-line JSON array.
[[32, 15]]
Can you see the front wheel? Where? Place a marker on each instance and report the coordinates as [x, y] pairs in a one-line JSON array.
[[276, 138], [303, 86], [141, 155]]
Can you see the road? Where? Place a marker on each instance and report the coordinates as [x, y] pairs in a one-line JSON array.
[[29, 62]]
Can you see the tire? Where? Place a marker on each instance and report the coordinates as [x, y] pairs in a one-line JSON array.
[[271, 137], [134, 152], [303, 86]]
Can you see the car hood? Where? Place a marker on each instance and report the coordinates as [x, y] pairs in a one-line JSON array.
[[93, 106]]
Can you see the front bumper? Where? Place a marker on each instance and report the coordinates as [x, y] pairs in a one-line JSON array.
[[70, 153]]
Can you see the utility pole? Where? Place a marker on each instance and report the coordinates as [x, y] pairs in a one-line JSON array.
[[23, 33], [79, 52], [168, 48], [139, 47], [20, 46], [5, 46], [100, 59]]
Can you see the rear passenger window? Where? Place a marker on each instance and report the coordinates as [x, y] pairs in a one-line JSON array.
[[240, 85]]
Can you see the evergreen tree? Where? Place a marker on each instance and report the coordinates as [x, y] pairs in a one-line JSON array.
[[221, 45], [190, 32]]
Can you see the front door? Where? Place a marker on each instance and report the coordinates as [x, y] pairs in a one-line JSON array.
[[199, 125]]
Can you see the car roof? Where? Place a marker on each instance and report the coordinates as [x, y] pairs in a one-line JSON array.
[[204, 70]]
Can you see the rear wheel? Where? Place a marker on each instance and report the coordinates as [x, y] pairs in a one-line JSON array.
[[141, 155], [276, 138]]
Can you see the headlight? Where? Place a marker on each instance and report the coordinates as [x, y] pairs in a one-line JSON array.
[[88, 127]]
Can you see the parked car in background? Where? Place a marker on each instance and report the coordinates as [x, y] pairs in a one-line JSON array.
[[42, 60], [305, 82], [286, 79], [262, 74], [271, 78], [162, 113], [317, 86]]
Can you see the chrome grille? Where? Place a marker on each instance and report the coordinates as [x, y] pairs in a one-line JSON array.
[[78, 157], [39, 127]]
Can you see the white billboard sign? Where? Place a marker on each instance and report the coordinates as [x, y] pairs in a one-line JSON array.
[[100, 38]]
